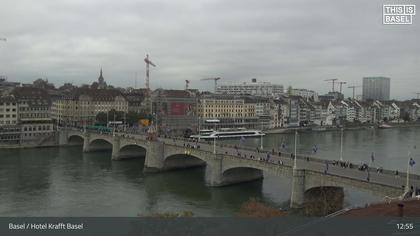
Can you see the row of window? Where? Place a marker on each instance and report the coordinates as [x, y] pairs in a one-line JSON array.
[[7, 122], [7, 115], [7, 109], [34, 128], [8, 104]]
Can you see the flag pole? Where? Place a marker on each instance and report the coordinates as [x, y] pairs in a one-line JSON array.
[[407, 188], [295, 161], [341, 145]]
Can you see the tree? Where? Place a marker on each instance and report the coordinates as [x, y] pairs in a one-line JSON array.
[[94, 85], [43, 84], [67, 87]]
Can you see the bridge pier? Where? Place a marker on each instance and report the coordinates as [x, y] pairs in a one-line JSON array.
[[154, 161], [214, 171], [62, 138], [115, 148], [297, 199], [86, 147]]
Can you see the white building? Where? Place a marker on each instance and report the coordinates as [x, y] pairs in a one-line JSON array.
[[263, 89], [305, 93]]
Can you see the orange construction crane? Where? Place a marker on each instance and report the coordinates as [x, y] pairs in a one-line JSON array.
[[333, 83], [215, 82]]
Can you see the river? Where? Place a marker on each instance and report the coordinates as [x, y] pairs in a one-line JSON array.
[[67, 182]]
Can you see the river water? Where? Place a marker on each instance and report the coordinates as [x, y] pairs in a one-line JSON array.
[[68, 182]]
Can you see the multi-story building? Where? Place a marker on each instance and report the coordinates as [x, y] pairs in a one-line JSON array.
[[9, 129], [376, 88], [414, 111], [34, 114], [233, 112], [136, 101], [80, 106], [175, 111], [8, 110], [262, 89], [305, 93]]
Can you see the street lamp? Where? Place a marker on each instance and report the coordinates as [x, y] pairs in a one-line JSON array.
[[341, 144]]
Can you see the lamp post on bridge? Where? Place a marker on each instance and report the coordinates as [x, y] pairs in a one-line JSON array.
[[410, 163], [341, 144], [295, 155]]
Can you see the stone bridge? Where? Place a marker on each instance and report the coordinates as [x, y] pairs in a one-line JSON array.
[[230, 165]]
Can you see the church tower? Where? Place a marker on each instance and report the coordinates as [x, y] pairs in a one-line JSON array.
[[101, 81]]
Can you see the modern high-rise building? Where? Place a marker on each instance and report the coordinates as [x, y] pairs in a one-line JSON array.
[[376, 88]]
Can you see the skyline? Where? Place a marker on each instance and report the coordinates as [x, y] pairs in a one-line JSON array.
[[296, 43]]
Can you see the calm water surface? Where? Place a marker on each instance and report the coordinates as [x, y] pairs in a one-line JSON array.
[[68, 182]]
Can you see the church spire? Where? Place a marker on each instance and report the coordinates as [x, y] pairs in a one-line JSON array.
[[101, 81]]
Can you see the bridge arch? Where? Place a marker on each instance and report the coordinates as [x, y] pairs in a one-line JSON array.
[[132, 151], [241, 174], [183, 161], [75, 139], [100, 144]]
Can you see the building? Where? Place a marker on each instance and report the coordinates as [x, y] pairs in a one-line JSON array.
[[34, 114], [305, 93], [376, 88], [234, 111], [6, 86], [101, 81], [136, 101], [9, 128], [80, 106], [262, 89], [175, 112]]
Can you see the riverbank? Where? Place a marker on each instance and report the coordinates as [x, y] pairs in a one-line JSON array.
[[335, 128]]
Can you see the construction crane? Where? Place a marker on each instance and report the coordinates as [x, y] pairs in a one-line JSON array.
[[341, 85], [187, 82], [354, 88], [215, 82], [418, 95], [333, 83], [148, 62]]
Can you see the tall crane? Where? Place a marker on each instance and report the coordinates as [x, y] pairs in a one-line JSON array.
[[333, 83], [418, 95], [341, 86], [187, 82], [215, 82], [148, 62], [354, 88]]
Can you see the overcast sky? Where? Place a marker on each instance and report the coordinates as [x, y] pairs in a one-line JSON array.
[[289, 42]]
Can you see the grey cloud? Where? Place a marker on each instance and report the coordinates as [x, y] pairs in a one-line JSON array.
[[294, 42]]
